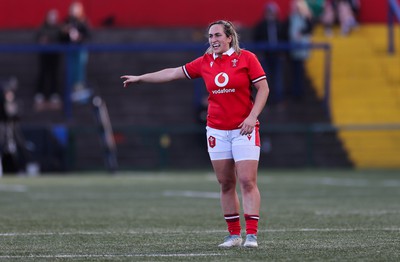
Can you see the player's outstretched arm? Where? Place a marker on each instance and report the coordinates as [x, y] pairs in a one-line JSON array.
[[162, 76]]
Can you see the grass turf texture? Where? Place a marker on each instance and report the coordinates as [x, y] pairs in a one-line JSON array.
[[176, 216]]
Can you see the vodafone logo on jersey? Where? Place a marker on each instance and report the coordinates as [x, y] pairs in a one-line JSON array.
[[221, 80]]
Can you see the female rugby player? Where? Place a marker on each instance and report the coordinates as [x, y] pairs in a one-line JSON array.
[[233, 139]]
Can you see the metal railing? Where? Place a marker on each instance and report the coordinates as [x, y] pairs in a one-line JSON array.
[[393, 13], [282, 146]]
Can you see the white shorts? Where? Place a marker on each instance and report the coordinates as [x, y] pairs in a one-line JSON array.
[[230, 144]]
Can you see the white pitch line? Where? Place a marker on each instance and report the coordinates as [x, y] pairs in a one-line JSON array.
[[111, 255], [391, 183], [332, 229], [16, 234], [343, 182], [13, 188], [194, 194], [357, 212]]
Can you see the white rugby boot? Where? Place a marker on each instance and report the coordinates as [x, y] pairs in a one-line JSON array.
[[251, 241], [232, 241]]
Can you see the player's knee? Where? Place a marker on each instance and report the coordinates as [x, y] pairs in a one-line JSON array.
[[227, 185], [248, 185]]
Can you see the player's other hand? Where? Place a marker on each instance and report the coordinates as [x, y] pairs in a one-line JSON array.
[[128, 79], [247, 126]]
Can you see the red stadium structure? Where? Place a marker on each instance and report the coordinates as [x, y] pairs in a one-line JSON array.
[[160, 13]]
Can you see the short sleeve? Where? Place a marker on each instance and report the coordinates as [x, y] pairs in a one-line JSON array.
[[193, 69], [256, 71]]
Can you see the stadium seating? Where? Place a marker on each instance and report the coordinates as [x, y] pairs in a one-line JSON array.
[[365, 94]]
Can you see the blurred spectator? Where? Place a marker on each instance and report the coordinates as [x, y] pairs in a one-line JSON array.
[[346, 16], [273, 30], [47, 89], [300, 29], [341, 11], [355, 6], [15, 151], [328, 17], [76, 31], [317, 9]]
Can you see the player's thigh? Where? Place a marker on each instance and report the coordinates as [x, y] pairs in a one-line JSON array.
[[246, 171], [219, 145], [225, 171]]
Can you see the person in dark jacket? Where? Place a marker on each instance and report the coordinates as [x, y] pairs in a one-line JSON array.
[[272, 30], [76, 31], [47, 89], [300, 30]]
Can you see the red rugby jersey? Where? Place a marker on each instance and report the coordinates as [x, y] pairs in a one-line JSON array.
[[228, 80]]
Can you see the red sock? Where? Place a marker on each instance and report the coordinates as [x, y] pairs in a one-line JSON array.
[[251, 223], [233, 223]]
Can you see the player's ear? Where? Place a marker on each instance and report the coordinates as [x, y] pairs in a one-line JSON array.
[[230, 39]]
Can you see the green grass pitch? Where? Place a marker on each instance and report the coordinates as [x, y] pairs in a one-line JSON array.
[[306, 215]]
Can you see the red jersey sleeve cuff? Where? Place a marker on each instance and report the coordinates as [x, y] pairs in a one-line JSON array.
[[258, 79], [186, 72]]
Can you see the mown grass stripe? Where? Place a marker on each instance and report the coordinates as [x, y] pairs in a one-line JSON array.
[[12, 234], [110, 255]]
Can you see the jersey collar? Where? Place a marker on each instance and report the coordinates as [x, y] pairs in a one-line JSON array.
[[229, 53]]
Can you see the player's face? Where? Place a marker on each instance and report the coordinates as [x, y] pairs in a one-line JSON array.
[[218, 40]]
